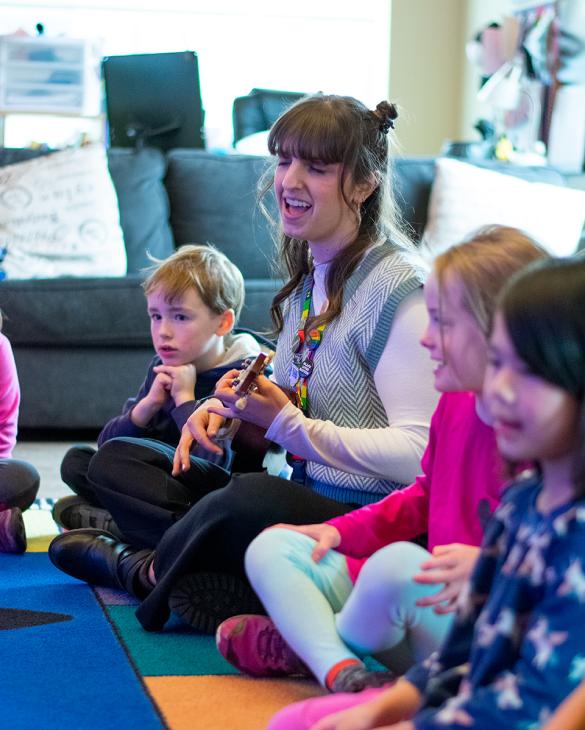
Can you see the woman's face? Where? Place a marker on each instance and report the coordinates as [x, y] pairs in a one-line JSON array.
[[534, 419], [453, 337], [312, 207]]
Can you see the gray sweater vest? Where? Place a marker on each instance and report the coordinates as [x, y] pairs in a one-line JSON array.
[[341, 387]]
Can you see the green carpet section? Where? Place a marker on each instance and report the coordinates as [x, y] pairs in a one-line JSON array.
[[176, 651]]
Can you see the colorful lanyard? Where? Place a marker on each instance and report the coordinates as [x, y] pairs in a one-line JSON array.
[[304, 353]]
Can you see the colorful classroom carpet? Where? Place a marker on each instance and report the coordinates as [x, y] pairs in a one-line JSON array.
[[72, 657]]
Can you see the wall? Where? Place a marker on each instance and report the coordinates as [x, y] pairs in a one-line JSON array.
[[429, 73], [427, 64]]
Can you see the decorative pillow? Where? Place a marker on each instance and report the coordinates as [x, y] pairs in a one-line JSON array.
[[465, 197], [59, 217], [138, 176]]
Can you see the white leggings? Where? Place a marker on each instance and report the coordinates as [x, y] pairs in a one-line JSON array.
[[326, 619]]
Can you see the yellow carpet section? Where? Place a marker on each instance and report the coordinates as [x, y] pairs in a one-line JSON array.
[[219, 703], [39, 544]]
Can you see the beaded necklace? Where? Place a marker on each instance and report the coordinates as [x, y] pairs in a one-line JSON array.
[[299, 374], [304, 353]]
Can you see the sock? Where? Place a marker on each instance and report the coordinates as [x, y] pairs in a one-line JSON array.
[[337, 668], [355, 677], [133, 568], [141, 581]]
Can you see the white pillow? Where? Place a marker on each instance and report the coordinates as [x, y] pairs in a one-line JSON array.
[[465, 197], [59, 217]]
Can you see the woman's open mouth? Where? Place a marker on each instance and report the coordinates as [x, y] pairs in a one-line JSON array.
[[295, 208]]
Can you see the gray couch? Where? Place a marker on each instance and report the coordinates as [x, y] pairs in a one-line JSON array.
[[82, 345]]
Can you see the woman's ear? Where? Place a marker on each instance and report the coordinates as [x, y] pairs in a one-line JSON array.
[[363, 191], [226, 323]]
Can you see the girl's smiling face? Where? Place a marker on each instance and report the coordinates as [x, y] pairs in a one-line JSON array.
[[453, 337], [534, 419], [311, 204]]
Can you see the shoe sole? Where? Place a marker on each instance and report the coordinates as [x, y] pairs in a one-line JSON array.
[[204, 600]]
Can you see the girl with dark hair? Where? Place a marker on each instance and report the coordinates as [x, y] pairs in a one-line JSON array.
[[516, 648], [349, 319]]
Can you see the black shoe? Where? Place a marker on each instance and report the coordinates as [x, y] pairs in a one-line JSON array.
[[74, 512], [96, 557], [204, 600]]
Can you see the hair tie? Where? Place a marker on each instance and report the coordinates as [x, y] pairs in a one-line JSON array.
[[385, 113]]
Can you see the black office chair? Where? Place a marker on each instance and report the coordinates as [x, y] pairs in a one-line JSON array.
[[258, 110]]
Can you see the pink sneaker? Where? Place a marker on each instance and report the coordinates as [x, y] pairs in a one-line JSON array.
[[254, 645]]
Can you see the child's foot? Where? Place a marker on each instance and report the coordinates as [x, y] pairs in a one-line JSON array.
[[74, 512], [254, 645], [12, 532], [355, 678]]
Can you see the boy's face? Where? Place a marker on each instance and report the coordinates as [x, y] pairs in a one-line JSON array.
[[183, 330]]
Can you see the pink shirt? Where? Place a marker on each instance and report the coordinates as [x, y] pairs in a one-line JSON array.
[[9, 399], [460, 486]]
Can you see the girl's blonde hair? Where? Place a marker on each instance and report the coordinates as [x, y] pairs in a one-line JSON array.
[[483, 263], [214, 277], [336, 129]]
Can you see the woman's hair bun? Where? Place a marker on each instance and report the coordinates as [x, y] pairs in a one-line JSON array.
[[385, 114]]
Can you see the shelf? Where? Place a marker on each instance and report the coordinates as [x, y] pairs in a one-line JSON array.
[[49, 75]]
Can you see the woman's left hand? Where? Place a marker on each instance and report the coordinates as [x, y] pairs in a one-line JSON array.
[[261, 405], [451, 565]]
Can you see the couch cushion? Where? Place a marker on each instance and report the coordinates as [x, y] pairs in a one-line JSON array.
[[70, 312], [144, 207], [465, 197], [59, 217], [213, 200], [414, 176]]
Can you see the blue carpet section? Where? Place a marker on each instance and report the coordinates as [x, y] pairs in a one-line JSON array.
[[38, 663]]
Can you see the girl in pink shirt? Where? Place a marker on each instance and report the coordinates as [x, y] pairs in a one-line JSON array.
[[19, 481], [370, 595]]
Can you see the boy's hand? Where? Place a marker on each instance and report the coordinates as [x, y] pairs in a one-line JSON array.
[[201, 427], [451, 565], [261, 405], [153, 401], [182, 381], [326, 537]]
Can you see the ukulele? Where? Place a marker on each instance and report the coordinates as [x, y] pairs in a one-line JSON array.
[[248, 439], [245, 382]]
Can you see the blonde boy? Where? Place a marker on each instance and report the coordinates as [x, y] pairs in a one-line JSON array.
[[193, 299]]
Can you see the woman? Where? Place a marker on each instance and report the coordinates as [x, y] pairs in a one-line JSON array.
[[349, 319]]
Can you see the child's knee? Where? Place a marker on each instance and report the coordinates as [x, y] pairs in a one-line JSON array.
[[394, 566], [272, 548]]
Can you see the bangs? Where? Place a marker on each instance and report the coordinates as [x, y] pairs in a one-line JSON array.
[[308, 136]]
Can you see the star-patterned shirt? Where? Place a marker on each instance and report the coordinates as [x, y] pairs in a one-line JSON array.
[[517, 646]]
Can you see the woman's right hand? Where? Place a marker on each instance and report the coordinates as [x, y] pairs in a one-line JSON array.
[[326, 536], [201, 427]]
